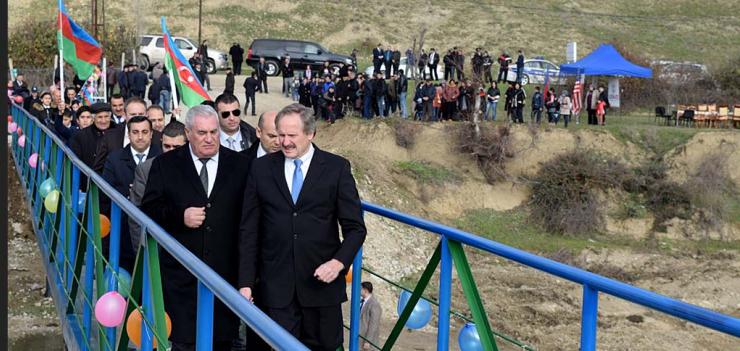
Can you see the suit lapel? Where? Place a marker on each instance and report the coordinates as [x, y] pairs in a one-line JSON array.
[[187, 168], [221, 172], [278, 173], [315, 170], [127, 158]]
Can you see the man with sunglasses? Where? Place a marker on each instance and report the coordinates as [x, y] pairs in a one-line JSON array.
[[236, 134]]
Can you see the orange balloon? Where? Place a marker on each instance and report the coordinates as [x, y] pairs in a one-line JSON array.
[[348, 277], [133, 328], [104, 226], [19, 131]]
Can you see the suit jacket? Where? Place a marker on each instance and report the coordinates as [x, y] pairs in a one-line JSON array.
[[112, 141], [261, 70], [378, 55], [281, 244], [370, 321], [251, 85], [85, 144], [141, 174], [251, 153], [173, 186], [433, 58], [119, 172]]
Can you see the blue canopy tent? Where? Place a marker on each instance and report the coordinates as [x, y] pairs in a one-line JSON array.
[[605, 61]]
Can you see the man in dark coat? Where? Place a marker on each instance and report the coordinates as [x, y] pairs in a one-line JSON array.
[[85, 142], [195, 193], [117, 137], [140, 81], [519, 67], [262, 74], [378, 57], [230, 82], [292, 261], [433, 62], [119, 172], [251, 86], [237, 56]]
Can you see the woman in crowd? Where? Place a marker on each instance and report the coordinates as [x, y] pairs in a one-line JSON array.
[[565, 107], [518, 100], [551, 103], [449, 100], [492, 96]]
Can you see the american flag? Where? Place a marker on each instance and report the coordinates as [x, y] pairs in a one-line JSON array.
[[577, 97]]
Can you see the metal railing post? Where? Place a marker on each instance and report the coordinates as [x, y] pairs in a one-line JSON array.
[[354, 319], [114, 256], [589, 318], [89, 275], [445, 297], [146, 302], [204, 319], [72, 242]]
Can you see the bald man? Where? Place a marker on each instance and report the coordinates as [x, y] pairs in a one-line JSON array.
[[268, 137]]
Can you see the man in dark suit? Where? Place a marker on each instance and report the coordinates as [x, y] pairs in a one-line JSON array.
[[262, 74], [290, 252], [433, 62], [116, 104], [173, 136], [195, 193], [118, 138], [235, 134], [140, 81], [267, 136], [251, 86], [119, 172], [378, 57], [237, 55]]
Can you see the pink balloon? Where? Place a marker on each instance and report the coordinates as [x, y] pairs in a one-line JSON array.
[[12, 127], [22, 141], [110, 309], [33, 160], [18, 99]]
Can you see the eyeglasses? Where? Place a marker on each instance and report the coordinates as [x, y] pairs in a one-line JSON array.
[[227, 114]]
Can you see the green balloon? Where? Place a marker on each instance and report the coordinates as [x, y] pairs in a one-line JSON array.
[[46, 187], [51, 202]]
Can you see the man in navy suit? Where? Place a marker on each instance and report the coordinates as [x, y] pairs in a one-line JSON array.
[[119, 172], [378, 58], [291, 256]]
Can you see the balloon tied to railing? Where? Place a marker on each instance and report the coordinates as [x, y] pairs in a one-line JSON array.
[[133, 328], [421, 314]]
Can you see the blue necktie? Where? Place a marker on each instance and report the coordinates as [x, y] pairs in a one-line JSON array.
[[297, 180]]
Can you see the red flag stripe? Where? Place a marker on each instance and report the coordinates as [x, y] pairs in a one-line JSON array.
[[84, 50]]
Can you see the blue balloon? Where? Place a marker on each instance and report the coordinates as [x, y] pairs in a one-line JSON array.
[[81, 202], [124, 281], [469, 339], [421, 314], [46, 187]]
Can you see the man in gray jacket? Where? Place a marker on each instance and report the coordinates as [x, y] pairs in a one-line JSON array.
[[173, 136], [370, 313]]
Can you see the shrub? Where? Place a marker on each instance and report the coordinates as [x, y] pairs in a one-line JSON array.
[[406, 133], [491, 147], [564, 191], [712, 191]]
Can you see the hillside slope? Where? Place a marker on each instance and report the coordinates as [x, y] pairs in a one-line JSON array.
[[703, 31]]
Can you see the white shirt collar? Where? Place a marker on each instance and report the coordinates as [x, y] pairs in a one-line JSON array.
[[237, 140], [290, 166], [126, 140], [261, 151], [145, 152], [212, 166]]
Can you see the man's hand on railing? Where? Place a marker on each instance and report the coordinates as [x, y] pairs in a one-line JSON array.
[[194, 216], [247, 293], [329, 271]]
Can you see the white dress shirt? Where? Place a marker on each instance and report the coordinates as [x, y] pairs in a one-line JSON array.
[[143, 159], [126, 140], [211, 166], [237, 137], [290, 167]]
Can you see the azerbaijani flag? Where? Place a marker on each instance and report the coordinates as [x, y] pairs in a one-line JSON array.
[[79, 49], [546, 91], [188, 86]]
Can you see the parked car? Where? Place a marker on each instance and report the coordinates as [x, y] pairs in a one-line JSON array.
[[534, 72], [402, 65], [302, 53], [151, 51]]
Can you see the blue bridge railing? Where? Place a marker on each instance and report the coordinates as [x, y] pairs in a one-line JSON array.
[[61, 237]]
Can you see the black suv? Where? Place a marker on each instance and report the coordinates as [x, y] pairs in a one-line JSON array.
[[301, 53]]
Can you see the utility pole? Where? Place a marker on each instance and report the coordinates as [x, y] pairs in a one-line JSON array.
[[94, 14], [200, 19]]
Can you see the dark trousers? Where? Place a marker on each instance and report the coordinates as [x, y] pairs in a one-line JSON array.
[[319, 328], [503, 74], [566, 119], [315, 104], [388, 69], [460, 73], [487, 76], [395, 67], [536, 116], [519, 72], [448, 73], [448, 110], [263, 83], [376, 66], [433, 72], [518, 118], [217, 346], [246, 103], [591, 116]]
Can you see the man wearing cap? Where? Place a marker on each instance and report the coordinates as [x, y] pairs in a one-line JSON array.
[[85, 142], [119, 172]]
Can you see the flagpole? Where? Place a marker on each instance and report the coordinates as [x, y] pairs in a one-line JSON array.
[[105, 80], [60, 40]]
